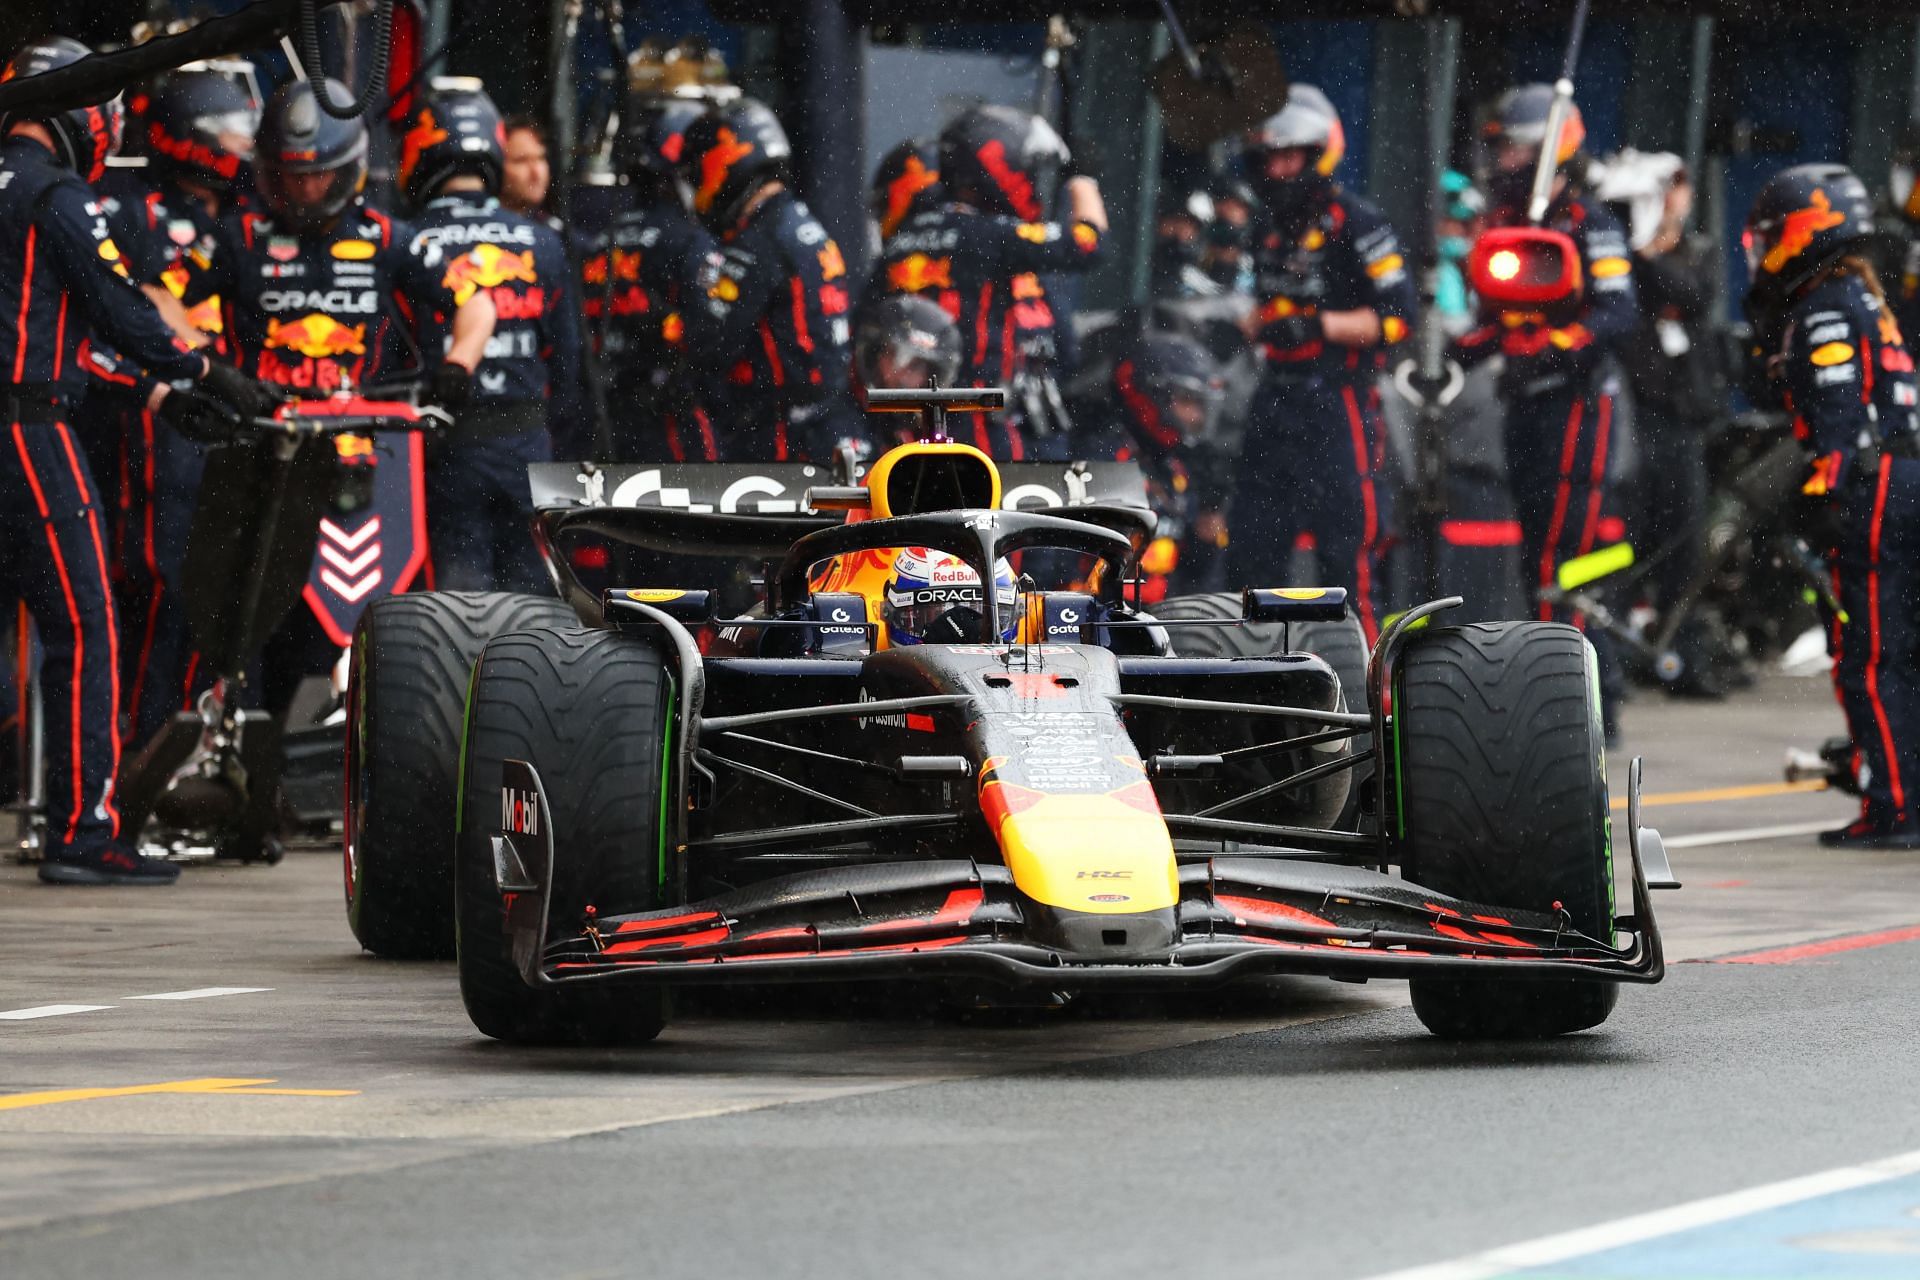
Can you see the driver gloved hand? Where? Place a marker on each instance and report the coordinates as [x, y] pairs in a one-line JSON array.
[[249, 397], [198, 416], [451, 385]]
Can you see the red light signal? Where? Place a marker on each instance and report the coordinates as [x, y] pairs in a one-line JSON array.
[[1524, 267]]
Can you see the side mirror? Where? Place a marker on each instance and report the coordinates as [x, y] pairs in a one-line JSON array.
[[1524, 267]]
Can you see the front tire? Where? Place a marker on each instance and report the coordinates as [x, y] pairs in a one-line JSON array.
[[591, 711], [1502, 778], [412, 656]]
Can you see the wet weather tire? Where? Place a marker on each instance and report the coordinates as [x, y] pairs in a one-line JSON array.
[[412, 656], [1341, 645], [1504, 800], [590, 711]]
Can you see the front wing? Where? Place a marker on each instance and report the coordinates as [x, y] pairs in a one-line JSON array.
[[1238, 917]]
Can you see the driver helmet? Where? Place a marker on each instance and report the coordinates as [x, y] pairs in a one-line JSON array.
[[931, 589]]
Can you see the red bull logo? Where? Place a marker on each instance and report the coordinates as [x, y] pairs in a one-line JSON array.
[[317, 337], [487, 267], [916, 273]]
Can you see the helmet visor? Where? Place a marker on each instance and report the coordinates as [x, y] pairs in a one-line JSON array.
[[311, 196]]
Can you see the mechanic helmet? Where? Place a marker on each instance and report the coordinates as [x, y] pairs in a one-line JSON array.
[[310, 166], [906, 181], [729, 154], [1802, 220], [1307, 123], [200, 127], [934, 597], [1520, 123], [903, 340], [1169, 387], [455, 130], [1903, 193], [1002, 160], [652, 138], [83, 137]]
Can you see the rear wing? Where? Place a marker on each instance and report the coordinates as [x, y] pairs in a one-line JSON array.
[[779, 488]]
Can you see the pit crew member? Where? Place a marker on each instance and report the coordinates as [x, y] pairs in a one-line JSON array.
[[63, 279], [528, 383], [1333, 293], [635, 281], [979, 256], [1840, 367], [1156, 409], [315, 294], [767, 320]]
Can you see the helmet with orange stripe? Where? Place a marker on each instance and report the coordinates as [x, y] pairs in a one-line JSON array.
[[1292, 155], [1517, 132], [728, 155], [906, 181], [1803, 220]]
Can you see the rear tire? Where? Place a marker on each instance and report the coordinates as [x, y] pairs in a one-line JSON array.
[[1503, 782], [412, 656], [1341, 645], [590, 710]]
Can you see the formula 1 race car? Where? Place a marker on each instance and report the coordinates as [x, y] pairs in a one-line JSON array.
[[908, 760]]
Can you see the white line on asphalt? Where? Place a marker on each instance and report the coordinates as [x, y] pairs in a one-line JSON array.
[[1706, 838], [49, 1011], [1549, 1250], [200, 993]]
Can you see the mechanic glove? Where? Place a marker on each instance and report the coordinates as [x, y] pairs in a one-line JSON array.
[[198, 416], [451, 385], [249, 397]]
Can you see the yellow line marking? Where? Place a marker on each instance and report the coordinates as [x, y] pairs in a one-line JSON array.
[[211, 1084], [1753, 791]]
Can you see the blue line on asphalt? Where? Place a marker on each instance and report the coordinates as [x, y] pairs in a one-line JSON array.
[[1872, 1233]]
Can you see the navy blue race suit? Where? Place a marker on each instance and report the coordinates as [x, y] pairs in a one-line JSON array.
[[1560, 394], [313, 313], [1186, 482], [148, 472], [767, 330], [62, 279], [479, 504], [1848, 380], [983, 269], [1315, 443], [636, 280]]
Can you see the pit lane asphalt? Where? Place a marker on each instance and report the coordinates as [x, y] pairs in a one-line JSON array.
[[1304, 1128]]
